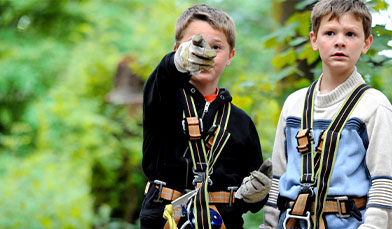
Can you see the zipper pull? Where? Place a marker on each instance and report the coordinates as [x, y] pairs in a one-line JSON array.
[[206, 106]]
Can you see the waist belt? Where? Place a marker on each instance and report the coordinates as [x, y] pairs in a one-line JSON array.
[[169, 194], [342, 206]]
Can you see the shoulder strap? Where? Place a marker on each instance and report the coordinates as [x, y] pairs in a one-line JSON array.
[[330, 146], [218, 135], [204, 160], [306, 133], [325, 155]]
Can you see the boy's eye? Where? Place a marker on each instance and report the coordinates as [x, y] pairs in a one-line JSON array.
[[329, 33], [216, 47], [350, 34]]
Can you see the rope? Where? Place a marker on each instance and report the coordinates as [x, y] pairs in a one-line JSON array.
[[168, 215]]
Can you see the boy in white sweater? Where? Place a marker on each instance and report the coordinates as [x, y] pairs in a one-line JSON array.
[[358, 181]]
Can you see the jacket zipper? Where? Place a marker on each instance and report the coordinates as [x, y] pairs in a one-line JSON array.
[[206, 106]]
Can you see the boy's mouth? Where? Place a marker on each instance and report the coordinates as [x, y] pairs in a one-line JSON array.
[[339, 54]]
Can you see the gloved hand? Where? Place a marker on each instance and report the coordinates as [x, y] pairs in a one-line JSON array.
[[194, 55], [255, 187]]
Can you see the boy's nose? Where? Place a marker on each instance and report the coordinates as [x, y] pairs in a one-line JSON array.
[[340, 42]]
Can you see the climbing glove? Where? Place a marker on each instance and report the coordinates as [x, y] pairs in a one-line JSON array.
[[194, 55], [255, 187]]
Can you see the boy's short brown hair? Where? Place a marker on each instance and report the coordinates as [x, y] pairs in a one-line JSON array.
[[337, 8], [217, 18]]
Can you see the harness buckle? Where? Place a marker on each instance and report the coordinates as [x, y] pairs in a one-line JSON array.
[[193, 127], [231, 189], [212, 129], [339, 200], [308, 187], [304, 140], [289, 216], [180, 204], [319, 147], [199, 175], [210, 139], [161, 184]]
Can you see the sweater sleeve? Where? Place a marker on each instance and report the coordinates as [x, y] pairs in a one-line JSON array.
[[271, 211], [379, 162]]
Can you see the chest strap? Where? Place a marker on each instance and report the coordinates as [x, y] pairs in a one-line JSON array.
[[320, 163]]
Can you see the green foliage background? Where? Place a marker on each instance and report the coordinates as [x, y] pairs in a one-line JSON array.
[[68, 158]]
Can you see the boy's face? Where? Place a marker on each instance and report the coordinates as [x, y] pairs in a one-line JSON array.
[[218, 41], [340, 43]]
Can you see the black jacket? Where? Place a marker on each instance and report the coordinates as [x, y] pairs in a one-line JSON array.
[[164, 142]]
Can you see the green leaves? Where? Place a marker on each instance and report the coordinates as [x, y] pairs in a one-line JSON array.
[[65, 151], [54, 120], [378, 5], [44, 191], [295, 56]]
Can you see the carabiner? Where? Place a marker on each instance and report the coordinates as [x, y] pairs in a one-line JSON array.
[[289, 216]]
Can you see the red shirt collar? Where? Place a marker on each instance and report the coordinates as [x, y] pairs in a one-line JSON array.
[[211, 98]]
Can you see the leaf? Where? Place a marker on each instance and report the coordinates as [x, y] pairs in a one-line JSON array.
[[306, 52], [284, 73], [298, 41], [303, 4]]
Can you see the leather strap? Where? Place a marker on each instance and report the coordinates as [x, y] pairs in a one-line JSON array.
[[331, 206], [220, 197], [299, 208]]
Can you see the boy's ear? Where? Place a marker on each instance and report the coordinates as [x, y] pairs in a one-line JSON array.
[[175, 47], [231, 55], [368, 43], [313, 40]]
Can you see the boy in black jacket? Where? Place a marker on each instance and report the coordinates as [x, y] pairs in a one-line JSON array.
[[194, 138]]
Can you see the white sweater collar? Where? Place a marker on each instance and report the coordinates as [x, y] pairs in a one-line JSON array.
[[339, 93]]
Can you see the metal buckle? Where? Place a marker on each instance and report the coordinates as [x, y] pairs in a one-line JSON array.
[[184, 126], [311, 135], [199, 176], [212, 129], [201, 126], [308, 187], [319, 147], [289, 216], [339, 199], [231, 189], [161, 184], [180, 204]]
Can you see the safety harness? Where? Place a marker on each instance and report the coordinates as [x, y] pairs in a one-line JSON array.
[[204, 154], [205, 150], [317, 167]]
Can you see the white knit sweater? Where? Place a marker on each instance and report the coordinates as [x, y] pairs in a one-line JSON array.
[[364, 159]]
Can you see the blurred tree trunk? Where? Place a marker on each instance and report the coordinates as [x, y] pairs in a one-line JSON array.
[[282, 11]]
